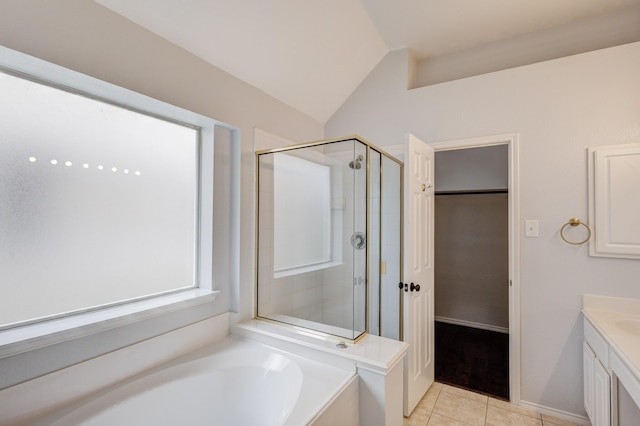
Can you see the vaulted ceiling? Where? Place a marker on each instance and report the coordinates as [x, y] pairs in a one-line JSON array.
[[312, 54]]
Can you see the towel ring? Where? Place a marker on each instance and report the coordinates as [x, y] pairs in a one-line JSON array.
[[574, 221]]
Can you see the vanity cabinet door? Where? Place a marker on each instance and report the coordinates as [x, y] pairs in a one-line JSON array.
[[597, 388], [588, 362], [601, 395]]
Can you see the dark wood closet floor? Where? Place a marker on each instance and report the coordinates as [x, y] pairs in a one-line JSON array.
[[472, 359]]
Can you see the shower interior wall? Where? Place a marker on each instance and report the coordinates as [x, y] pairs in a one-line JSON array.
[[326, 295]]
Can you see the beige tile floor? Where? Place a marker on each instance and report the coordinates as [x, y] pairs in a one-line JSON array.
[[445, 405]]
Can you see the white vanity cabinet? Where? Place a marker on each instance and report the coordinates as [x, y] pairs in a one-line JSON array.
[[611, 354], [597, 377]]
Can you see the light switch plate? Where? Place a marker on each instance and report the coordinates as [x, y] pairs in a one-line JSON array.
[[531, 228]]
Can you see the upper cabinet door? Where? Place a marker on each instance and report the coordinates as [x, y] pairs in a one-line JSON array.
[[614, 200]]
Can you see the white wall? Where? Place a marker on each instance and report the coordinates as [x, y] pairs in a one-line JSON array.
[[558, 108], [570, 38], [86, 37]]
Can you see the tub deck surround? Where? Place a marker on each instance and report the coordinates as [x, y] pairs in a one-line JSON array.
[[378, 360], [374, 352], [232, 381], [618, 322]]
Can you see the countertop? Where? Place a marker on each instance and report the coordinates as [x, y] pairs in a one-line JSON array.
[[611, 316], [618, 321]]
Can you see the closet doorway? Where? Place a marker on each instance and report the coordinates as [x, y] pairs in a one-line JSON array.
[[474, 203]]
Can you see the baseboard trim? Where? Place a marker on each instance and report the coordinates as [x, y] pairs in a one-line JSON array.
[[574, 418], [473, 324]]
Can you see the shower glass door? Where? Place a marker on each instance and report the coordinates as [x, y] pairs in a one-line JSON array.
[[390, 248], [312, 237], [385, 231]]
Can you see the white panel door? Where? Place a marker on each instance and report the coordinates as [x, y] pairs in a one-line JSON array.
[[418, 271]]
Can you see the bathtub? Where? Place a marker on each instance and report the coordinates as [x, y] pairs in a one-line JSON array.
[[230, 382]]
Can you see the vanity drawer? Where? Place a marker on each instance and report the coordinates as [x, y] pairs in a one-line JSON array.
[[597, 343]]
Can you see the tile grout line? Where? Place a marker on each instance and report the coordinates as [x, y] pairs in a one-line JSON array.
[[434, 406], [486, 411]]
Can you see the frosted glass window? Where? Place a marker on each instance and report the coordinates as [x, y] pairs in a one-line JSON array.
[[98, 203], [302, 212]]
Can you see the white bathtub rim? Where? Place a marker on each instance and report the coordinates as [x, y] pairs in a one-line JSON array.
[[299, 414]]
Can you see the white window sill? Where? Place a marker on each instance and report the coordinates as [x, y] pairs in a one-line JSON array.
[[33, 336]]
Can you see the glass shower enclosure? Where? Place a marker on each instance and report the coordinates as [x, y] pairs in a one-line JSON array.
[[329, 238]]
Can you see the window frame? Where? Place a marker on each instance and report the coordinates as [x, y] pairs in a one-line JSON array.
[[63, 327]]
